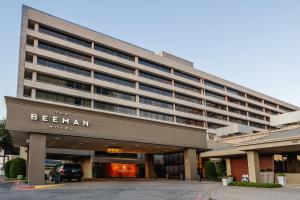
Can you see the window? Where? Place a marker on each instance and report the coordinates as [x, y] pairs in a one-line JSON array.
[[155, 90], [214, 85], [286, 109], [271, 104], [114, 108], [64, 36], [157, 116], [63, 82], [31, 24], [187, 87], [237, 111], [63, 98], [155, 102], [256, 116], [63, 67], [188, 110], [154, 65], [63, 51], [215, 105], [238, 121], [113, 93], [29, 41], [115, 66], [253, 98], [211, 136], [28, 57], [272, 112], [214, 95], [236, 92], [27, 92], [257, 125], [113, 52], [188, 98], [216, 116], [214, 126], [187, 121], [154, 77], [28, 74], [255, 107], [187, 76], [115, 80], [235, 101]]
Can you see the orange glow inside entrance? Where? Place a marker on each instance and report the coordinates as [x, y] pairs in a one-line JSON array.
[[123, 170]]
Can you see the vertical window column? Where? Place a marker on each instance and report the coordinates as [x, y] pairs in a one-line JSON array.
[[92, 91], [36, 27], [33, 90], [93, 47]]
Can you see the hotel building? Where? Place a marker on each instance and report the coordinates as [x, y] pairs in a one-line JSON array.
[[81, 89]]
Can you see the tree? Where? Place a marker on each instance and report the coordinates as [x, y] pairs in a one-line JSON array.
[[221, 168], [17, 167], [210, 170], [5, 141], [7, 168]]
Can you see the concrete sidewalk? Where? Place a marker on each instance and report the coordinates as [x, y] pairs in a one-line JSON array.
[[247, 193]]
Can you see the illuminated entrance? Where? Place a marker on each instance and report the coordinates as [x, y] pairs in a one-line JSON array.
[[123, 170]]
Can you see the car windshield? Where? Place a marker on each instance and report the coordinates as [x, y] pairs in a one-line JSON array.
[[72, 166]]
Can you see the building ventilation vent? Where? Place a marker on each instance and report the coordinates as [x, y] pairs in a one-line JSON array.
[[176, 59]]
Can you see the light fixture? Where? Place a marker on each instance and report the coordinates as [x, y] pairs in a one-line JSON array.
[[114, 150], [57, 138]]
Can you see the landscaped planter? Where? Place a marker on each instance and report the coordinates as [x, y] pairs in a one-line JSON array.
[[227, 180], [281, 180], [267, 177]]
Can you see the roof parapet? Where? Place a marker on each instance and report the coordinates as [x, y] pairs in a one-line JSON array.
[[176, 59]]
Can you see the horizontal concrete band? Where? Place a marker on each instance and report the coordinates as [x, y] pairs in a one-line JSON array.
[[37, 117]]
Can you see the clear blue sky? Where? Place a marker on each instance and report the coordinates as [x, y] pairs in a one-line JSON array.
[[255, 43]]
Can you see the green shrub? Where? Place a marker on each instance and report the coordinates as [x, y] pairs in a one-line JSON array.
[[280, 174], [259, 185], [18, 167], [221, 168], [7, 168], [210, 170]]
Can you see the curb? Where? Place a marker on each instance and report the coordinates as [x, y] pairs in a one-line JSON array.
[[31, 187]]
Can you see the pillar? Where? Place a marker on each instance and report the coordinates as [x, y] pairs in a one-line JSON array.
[[228, 166], [23, 152], [87, 168], [149, 166], [36, 159], [253, 166], [190, 165]]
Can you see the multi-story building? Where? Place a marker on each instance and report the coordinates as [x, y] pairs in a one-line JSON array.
[[153, 103], [70, 64]]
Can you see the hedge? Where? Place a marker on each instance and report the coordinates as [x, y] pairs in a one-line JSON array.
[[210, 170], [7, 168], [259, 185], [17, 167]]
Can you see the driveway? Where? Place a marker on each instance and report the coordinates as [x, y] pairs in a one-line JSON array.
[[117, 190], [148, 190]]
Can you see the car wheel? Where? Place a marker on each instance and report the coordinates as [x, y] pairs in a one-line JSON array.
[[50, 178]]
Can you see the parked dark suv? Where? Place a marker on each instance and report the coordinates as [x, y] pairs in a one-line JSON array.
[[66, 171]]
